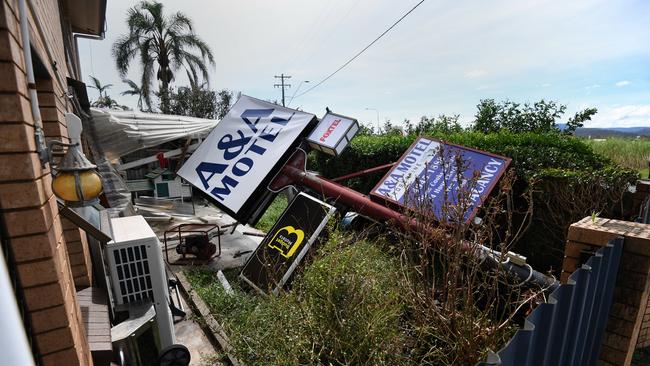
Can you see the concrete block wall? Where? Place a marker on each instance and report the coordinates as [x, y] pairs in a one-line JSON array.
[[27, 204], [628, 323]]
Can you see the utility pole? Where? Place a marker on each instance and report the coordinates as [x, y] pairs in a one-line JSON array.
[[282, 84]]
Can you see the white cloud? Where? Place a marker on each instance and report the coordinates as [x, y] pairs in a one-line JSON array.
[[475, 73], [622, 83], [590, 87], [545, 85], [623, 116]]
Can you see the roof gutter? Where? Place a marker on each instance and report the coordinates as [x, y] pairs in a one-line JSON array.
[[94, 37]]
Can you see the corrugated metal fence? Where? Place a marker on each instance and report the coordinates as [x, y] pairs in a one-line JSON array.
[[568, 329]]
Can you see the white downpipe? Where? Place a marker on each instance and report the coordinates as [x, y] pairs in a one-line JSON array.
[[41, 148], [14, 347]]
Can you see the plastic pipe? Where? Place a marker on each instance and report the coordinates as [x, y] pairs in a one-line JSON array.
[[39, 135]]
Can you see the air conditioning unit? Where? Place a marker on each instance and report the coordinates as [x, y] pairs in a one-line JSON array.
[[137, 273]]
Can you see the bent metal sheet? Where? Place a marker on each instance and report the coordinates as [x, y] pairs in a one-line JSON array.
[[242, 152]]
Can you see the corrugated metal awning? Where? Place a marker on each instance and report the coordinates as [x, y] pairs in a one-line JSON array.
[[122, 132]]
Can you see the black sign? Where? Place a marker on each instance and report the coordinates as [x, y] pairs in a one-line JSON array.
[[275, 259]]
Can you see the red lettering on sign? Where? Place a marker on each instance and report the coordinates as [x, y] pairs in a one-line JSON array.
[[330, 129]]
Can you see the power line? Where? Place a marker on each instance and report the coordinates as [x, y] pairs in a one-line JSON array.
[[298, 88], [360, 52], [282, 84]]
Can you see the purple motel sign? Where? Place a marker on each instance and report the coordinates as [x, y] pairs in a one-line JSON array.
[[427, 175]]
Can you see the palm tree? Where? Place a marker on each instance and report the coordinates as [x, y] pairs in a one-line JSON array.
[[98, 85], [135, 89], [169, 41], [107, 102], [103, 101]]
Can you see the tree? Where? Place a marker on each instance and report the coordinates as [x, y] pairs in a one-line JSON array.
[[578, 120], [193, 102], [108, 102], [99, 86], [443, 124], [390, 129], [539, 117], [135, 89], [224, 102], [104, 100], [199, 101], [166, 41], [487, 116]]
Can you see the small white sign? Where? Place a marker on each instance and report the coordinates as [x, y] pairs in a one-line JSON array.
[[239, 154], [333, 133]]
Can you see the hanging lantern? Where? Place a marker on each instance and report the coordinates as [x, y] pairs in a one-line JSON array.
[[75, 180]]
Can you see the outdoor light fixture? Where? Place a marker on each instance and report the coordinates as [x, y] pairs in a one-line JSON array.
[[75, 179]]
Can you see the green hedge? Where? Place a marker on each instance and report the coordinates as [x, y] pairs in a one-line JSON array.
[[530, 152], [563, 197], [568, 176]]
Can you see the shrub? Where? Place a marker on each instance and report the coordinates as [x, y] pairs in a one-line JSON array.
[[562, 197]]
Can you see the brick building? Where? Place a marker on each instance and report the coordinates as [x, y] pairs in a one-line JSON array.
[[47, 256]]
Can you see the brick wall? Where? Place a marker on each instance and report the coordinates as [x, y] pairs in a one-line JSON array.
[[628, 325], [78, 253], [35, 231], [52, 110]]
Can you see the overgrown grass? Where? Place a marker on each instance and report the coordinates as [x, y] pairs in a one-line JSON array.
[[272, 213], [343, 310], [356, 303], [630, 153]]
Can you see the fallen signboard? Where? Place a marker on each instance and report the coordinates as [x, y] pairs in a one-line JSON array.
[[237, 160], [270, 267], [426, 176], [333, 133]]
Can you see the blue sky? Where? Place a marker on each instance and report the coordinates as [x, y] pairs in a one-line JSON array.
[[443, 58]]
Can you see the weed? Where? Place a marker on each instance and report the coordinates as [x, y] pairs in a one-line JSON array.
[[272, 213]]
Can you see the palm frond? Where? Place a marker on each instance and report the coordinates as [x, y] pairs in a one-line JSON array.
[[192, 40], [147, 74], [96, 83], [196, 62], [124, 50], [179, 22], [134, 88]]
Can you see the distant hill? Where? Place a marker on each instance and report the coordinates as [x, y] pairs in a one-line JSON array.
[[611, 132]]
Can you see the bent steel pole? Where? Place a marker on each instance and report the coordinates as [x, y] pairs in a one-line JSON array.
[[294, 173]]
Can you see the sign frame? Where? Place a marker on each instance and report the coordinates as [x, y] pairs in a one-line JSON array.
[[318, 146], [300, 255], [247, 210], [488, 189]]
